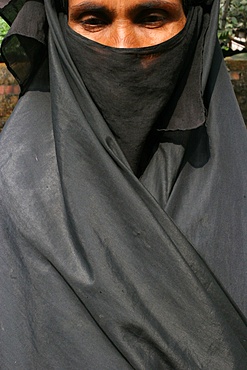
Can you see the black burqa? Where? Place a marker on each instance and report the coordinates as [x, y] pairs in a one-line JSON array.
[[101, 269]]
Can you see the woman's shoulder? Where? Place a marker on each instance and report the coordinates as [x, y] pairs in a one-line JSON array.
[[29, 121], [29, 178], [27, 143]]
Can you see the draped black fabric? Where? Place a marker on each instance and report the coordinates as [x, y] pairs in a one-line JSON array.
[[104, 270]]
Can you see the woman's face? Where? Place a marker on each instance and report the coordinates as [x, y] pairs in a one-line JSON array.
[[127, 23]]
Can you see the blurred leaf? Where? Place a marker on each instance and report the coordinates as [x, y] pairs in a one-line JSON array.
[[4, 27]]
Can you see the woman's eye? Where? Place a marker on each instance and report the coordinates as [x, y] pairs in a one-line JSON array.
[[153, 20], [93, 23]]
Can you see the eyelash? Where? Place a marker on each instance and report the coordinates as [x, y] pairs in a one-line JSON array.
[[94, 20]]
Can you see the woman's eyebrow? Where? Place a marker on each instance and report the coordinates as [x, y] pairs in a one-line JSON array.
[[153, 4], [89, 6]]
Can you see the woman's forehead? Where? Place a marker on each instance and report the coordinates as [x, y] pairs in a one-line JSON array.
[[120, 5]]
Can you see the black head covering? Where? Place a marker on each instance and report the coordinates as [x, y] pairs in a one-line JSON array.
[[95, 270]]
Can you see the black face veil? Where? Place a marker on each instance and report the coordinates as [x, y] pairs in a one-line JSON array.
[[132, 87], [101, 269]]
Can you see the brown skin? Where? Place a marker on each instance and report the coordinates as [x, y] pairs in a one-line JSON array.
[[127, 23]]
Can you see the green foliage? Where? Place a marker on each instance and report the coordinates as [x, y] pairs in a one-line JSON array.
[[233, 18], [4, 27]]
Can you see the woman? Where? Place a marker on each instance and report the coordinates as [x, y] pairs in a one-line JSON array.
[[123, 203]]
